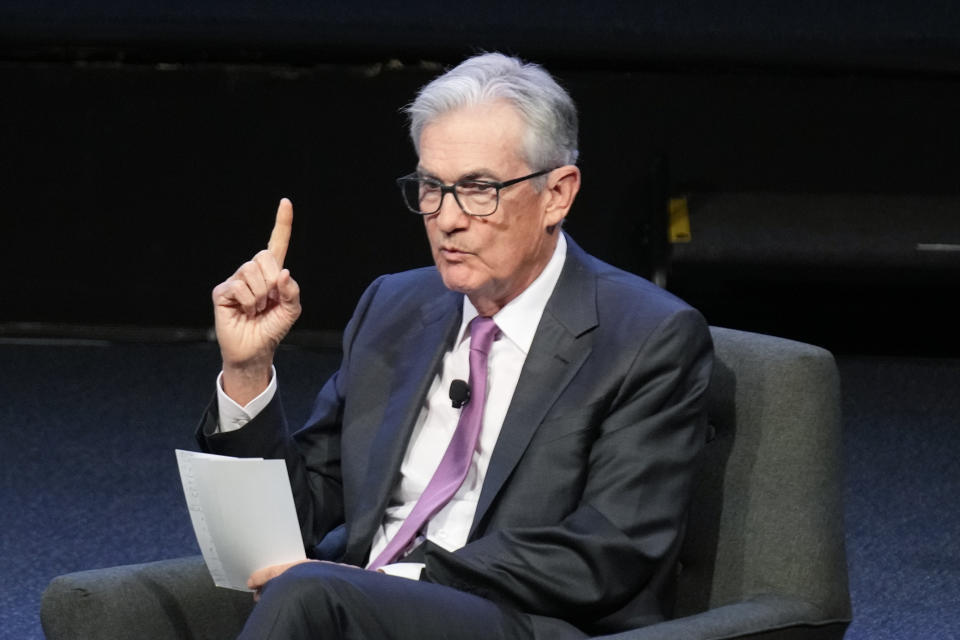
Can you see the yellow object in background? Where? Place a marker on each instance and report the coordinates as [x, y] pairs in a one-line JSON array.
[[679, 225]]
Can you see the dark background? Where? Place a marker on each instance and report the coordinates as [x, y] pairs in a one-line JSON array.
[[144, 149]]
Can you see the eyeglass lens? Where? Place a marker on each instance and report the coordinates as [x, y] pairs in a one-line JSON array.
[[426, 196]]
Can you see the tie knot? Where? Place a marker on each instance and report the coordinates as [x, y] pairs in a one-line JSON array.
[[483, 331]]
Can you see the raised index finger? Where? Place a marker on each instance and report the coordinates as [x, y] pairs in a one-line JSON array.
[[280, 236]]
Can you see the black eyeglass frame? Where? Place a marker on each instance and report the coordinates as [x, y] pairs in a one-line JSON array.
[[452, 189]]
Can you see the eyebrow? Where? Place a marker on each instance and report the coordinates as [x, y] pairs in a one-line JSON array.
[[475, 174]]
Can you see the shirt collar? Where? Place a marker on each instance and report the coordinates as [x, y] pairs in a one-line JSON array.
[[518, 320]]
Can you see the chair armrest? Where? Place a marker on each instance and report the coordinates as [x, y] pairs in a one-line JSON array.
[[760, 618], [172, 599]]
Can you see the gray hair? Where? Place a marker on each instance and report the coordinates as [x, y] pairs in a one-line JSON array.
[[549, 113]]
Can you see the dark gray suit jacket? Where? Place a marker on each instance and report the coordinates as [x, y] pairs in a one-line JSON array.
[[584, 501]]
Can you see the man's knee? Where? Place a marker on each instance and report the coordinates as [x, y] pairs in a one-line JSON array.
[[319, 596], [313, 600], [312, 582]]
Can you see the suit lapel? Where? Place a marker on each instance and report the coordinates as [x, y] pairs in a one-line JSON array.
[[418, 357], [560, 346]]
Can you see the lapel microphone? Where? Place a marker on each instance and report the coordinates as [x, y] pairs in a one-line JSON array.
[[459, 393]]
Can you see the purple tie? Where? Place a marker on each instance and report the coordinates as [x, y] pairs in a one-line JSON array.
[[456, 460]]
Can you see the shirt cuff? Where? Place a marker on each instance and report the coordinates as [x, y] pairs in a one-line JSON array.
[[409, 570], [232, 415]]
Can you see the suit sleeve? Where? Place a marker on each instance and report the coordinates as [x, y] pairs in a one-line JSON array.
[[631, 515]]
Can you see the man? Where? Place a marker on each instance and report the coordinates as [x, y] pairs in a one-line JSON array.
[[569, 509]]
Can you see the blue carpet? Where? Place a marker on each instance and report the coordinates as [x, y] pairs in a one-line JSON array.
[[89, 472], [901, 428], [90, 480]]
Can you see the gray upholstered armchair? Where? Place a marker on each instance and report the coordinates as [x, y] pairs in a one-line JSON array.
[[764, 556]]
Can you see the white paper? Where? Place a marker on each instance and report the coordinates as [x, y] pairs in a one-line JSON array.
[[242, 512]]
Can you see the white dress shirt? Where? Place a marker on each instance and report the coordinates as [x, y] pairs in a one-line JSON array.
[[449, 528]]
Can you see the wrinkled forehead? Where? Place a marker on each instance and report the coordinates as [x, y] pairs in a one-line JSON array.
[[488, 136]]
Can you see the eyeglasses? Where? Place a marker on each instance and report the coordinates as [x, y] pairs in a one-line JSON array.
[[478, 198]]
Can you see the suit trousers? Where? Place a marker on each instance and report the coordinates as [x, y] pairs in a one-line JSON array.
[[319, 600]]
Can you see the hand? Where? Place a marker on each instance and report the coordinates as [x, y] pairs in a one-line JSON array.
[[253, 311], [259, 578]]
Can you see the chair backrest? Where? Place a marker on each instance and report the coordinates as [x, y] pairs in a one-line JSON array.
[[767, 516]]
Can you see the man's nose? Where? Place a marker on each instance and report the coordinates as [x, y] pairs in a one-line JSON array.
[[451, 217]]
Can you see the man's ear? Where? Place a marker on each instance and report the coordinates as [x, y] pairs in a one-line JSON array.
[[562, 186]]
